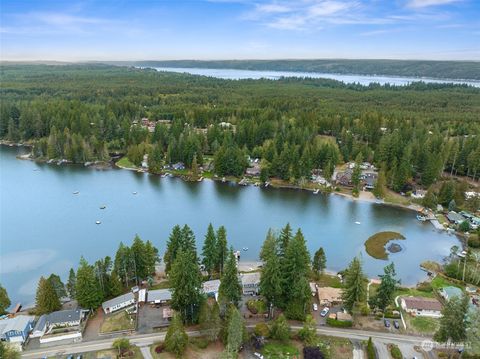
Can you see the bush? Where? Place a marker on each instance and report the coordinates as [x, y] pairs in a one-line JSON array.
[[160, 348], [371, 354], [280, 329], [474, 241], [257, 306], [395, 352], [391, 315], [339, 323], [312, 353], [200, 342], [425, 287], [262, 330]]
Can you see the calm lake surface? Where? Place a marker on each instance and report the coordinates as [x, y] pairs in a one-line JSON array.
[[45, 228], [233, 74]]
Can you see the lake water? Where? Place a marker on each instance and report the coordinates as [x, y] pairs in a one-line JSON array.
[[233, 74], [45, 228]]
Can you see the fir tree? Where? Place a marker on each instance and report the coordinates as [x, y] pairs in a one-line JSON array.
[[386, 290], [308, 334], [284, 239], [46, 298], [176, 339], [209, 319], [280, 329], [354, 288], [58, 285], [71, 284], [453, 324], [209, 252], [319, 262], [88, 290], [230, 291], [222, 250], [174, 243], [186, 283], [236, 330], [271, 279]]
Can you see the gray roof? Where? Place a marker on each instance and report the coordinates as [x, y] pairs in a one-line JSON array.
[[118, 300], [250, 278], [18, 323], [159, 295], [455, 217], [64, 316], [41, 322]]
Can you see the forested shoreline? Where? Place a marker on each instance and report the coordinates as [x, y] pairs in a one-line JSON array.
[[404, 68], [87, 112]]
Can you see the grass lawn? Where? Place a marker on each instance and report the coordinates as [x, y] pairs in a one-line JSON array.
[[375, 245], [413, 292], [116, 322], [423, 325], [125, 162], [340, 348], [393, 197], [278, 350], [328, 280], [164, 284], [439, 282]]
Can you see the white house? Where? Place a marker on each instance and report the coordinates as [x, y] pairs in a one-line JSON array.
[[211, 287], [60, 326], [16, 329], [159, 296], [250, 282], [117, 303], [423, 307]]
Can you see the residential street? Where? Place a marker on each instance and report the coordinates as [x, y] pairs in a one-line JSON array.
[[148, 339]]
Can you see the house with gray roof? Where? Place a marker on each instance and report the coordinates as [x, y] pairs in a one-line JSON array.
[[250, 282], [455, 217], [60, 325], [117, 303], [159, 296]]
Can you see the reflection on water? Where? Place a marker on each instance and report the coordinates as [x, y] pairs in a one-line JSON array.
[[39, 211]]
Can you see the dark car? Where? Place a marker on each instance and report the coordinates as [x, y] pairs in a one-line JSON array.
[[396, 325], [387, 323]]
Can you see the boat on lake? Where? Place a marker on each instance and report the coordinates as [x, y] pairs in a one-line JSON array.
[[134, 192], [316, 191], [103, 207], [421, 218], [245, 249], [357, 222], [76, 192], [97, 222]]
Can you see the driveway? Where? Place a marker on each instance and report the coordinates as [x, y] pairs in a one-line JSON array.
[[357, 349], [381, 348], [146, 352]]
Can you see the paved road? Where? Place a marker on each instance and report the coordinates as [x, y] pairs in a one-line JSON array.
[[148, 339], [146, 352]]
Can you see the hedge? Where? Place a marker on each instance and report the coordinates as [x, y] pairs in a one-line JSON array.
[[339, 323]]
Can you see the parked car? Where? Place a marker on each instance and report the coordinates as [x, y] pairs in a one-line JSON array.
[[387, 323], [396, 325], [315, 306], [258, 355], [324, 311]]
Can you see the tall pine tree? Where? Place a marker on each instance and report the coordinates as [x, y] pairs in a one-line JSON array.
[[46, 298], [230, 291], [271, 278], [355, 285], [209, 252], [88, 290]]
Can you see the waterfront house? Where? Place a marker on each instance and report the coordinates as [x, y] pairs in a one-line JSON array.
[[455, 217], [253, 170], [422, 307], [329, 296], [250, 283], [345, 178], [16, 329], [60, 326], [179, 166], [419, 194], [369, 179], [159, 296], [211, 287], [450, 292], [117, 303]]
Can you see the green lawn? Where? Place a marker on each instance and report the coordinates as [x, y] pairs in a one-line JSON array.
[[278, 350], [125, 162], [328, 280], [116, 322], [413, 292], [439, 282], [165, 284], [423, 325]]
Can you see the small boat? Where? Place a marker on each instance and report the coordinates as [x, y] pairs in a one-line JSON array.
[[98, 222], [267, 184], [421, 218], [245, 249], [200, 179], [223, 179], [76, 192], [316, 191], [103, 207], [357, 222], [134, 192]]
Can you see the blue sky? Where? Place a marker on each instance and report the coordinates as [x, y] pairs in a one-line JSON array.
[[239, 29]]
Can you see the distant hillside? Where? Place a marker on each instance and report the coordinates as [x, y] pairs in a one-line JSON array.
[[409, 68]]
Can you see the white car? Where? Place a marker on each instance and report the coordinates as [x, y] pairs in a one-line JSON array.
[[324, 311], [315, 306]]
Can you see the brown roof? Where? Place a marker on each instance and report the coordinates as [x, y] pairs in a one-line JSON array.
[[329, 294], [422, 303]]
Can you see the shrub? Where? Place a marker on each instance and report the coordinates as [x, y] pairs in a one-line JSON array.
[[339, 323], [474, 241], [262, 330], [280, 329], [256, 306], [200, 342], [395, 352], [312, 353], [160, 348], [371, 354], [425, 287]]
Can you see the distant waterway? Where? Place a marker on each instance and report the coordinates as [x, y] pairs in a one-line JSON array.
[[45, 227], [235, 74]]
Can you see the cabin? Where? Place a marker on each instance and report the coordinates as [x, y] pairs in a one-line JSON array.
[[16, 329], [159, 296], [250, 283], [329, 296], [117, 303], [254, 170], [455, 217], [60, 326], [345, 178], [422, 307]]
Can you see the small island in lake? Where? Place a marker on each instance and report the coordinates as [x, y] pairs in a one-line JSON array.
[[375, 245]]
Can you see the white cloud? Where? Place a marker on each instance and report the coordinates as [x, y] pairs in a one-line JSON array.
[[427, 3]]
